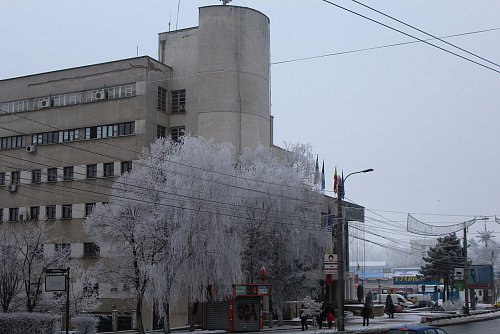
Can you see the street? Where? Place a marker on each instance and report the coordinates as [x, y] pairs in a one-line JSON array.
[[483, 327]]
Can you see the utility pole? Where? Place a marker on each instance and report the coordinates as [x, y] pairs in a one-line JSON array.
[[466, 271], [340, 255]]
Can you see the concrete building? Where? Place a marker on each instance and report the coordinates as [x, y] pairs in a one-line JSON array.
[[66, 135]]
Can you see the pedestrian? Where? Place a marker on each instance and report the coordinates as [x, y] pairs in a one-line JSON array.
[[369, 303], [389, 306], [319, 318], [303, 317], [330, 318], [365, 313]]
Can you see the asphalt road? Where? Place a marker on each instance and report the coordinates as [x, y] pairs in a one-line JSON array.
[[481, 327]]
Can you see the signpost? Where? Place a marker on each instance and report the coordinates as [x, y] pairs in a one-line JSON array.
[[331, 265], [58, 280]]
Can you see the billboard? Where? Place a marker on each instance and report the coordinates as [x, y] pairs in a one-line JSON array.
[[480, 277]]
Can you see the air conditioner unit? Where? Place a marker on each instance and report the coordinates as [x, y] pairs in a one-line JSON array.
[[101, 95], [44, 103], [13, 187], [30, 148]]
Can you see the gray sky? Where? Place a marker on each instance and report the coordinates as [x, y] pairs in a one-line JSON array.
[[427, 121]]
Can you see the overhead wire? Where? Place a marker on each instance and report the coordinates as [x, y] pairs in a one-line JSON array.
[[409, 35], [426, 33]]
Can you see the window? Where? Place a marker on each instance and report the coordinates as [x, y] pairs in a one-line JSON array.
[[126, 166], [2, 179], [109, 169], [90, 249], [68, 173], [63, 249], [1, 216], [88, 208], [11, 142], [126, 128], [91, 171], [176, 133], [160, 131], [36, 176], [15, 177], [52, 174], [13, 214], [178, 101], [162, 99], [34, 212], [50, 212], [67, 211]]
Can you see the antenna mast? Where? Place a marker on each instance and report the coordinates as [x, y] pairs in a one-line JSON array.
[[225, 2]]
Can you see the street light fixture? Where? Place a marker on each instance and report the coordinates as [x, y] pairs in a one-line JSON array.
[[340, 250]]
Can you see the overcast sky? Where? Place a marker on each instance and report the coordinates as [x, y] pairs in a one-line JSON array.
[[427, 121]]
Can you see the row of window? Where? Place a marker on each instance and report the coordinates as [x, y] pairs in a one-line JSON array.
[[177, 102], [33, 213], [68, 173], [94, 95], [53, 137], [91, 132]]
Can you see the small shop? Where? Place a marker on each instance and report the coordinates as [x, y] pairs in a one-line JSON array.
[[243, 312]]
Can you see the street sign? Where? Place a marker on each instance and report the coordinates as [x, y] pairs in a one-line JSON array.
[[459, 273], [55, 283], [330, 258]]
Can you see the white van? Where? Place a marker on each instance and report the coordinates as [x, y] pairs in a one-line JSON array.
[[397, 299]]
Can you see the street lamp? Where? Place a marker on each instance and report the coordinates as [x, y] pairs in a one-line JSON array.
[[340, 250]]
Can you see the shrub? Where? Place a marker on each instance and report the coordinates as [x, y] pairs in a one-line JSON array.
[[86, 324], [22, 323]]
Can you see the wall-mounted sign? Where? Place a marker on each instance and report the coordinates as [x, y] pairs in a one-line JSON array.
[[55, 283]]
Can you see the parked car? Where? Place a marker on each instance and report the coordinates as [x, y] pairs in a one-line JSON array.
[[496, 304], [417, 329], [397, 299]]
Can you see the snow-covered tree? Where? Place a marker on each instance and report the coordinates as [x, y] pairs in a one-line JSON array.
[[125, 228], [10, 275], [312, 308], [282, 229], [29, 238]]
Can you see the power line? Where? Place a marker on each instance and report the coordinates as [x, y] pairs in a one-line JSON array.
[[419, 30], [409, 35]]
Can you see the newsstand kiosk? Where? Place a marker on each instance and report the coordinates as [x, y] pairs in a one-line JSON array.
[[245, 308]]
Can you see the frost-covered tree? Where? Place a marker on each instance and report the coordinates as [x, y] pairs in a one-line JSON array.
[[29, 238], [10, 275], [282, 222], [199, 230], [125, 228]]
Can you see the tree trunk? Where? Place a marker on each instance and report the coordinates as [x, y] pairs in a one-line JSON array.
[[166, 320], [140, 325]]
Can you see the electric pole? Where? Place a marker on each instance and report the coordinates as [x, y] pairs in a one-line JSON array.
[[466, 271]]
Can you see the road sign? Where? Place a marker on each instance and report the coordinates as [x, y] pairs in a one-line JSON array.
[[330, 258]]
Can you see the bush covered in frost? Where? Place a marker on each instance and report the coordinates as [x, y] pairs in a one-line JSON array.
[[86, 324], [22, 323]]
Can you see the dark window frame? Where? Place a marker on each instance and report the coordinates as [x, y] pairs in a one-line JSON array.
[[178, 102], [126, 166], [108, 169], [50, 212], [91, 171], [52, 174], [36, 176], [67, 211], [68, 173]]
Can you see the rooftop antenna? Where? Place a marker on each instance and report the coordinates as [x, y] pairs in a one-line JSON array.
[[225, 2], [177, 21], [169, 20]]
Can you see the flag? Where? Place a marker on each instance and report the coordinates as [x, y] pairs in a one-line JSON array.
[[335, 181], [342, 191], [316, 172], [323, 176]]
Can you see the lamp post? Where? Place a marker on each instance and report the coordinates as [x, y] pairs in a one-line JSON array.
[[340, 250]]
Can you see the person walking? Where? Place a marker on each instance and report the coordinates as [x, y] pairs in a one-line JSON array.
[[320, 317], [303, 317], [389, 306], [330, 318], [367, 309]]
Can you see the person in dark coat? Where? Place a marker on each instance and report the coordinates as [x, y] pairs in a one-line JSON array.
[[367, 310], [320, 317], [389, 306], [303, 317]]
